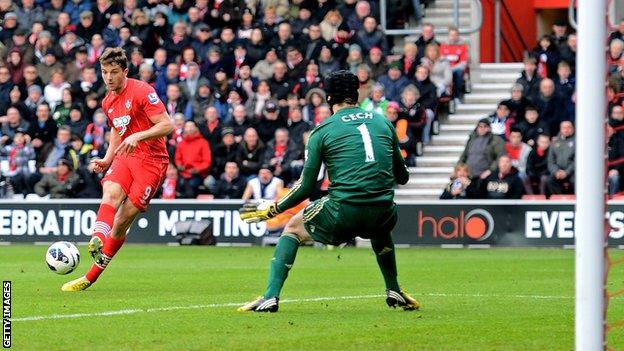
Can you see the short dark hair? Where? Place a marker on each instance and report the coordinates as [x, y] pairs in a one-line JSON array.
[[114, 56]]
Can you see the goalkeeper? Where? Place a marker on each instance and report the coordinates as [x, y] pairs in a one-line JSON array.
[[361, 152]]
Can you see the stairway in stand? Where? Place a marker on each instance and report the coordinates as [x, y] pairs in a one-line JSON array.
[[491, 83]]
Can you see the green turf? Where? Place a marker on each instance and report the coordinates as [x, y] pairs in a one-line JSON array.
[[497, 299]]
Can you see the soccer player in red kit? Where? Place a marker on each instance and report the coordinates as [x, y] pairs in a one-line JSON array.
[[135, 163]]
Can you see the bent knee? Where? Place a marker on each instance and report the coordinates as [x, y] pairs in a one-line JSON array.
[[296, 228]]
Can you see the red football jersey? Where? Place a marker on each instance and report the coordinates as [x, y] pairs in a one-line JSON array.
[[129, 113]]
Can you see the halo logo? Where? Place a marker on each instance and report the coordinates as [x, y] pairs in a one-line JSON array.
[[477, 224]]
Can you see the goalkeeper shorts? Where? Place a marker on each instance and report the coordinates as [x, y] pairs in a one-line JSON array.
[[333, 223]]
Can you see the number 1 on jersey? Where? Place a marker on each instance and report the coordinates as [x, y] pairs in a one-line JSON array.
[[368, 143]]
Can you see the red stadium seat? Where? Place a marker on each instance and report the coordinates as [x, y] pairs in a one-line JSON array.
[[563, 197], [533, 197], [205, 197]]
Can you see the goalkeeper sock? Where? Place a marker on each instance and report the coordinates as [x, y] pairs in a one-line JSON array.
[[104, 222], [111, 246], [384, 251], [283, 259]]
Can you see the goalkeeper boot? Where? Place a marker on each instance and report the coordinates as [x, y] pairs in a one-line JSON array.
[[95, 250], [261, 304], [77, 284], [401, 299]]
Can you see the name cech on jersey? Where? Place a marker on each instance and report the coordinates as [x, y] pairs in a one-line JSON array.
[[356, 116]]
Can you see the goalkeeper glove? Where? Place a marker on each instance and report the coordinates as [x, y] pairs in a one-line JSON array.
[[253, 212]]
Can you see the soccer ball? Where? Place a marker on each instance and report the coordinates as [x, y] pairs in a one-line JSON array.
[[62, 257]]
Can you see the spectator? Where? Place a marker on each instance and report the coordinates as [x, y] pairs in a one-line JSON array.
[[615, 147], [87, 84], [561, 157], [202, 101], [281, 155], [53, 92], [568, 52], [615, 56], [440, 70], [79, 153], [461, 185], [263, 70], [85, 29], [176, 135], [94, 134], [500, 121], [6, 85], [47, 67], [377, 63], [531, 126], [250, 153], [329, 24], [171, 187], [406, 142], [377, 101], [427, 100], [14, 122], [210, 127], [310, 80], [224, 152], [371, 36], [312, 109], [411, 111], [546, 54], [616, 118], [269, 122], [75, 7], [177, 40], [192, 81], [193, 159], [354, 58], [366, 83], [280, 84], [408, 61], [239, 122], [518, 103], [77, 124], [265, 186], [312, 44], [42, 131], [549, 106], [519, 152], [19, 154], [59, 184], [283, 40], [537, 166], [393, 82], [61, 111], [503, 183], [427, 37], [33, 100], [171, 76], [619, 33], [28, 14], [297, 126], [69, 43], [565, 86], [559, 36], [230, 185], [327, 62], [176, 103], [356, 20], [455, 51], [482, 150], [529, 78]]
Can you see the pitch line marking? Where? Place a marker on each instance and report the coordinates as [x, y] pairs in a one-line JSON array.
[[234, 304]]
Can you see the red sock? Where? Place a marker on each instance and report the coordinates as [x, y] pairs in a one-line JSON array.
[[104, 222], [111, 246]]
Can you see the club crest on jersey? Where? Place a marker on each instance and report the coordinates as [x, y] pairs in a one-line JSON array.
[[128, 104], [152, 98], [121, 124]]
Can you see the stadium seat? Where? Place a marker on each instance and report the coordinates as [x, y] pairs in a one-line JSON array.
[[534, 197], [205, 197], [563, 197]]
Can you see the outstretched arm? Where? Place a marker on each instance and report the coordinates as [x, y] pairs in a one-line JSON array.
[[299, 192]]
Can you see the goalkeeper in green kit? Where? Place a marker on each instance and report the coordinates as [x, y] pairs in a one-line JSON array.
[[361, 152]]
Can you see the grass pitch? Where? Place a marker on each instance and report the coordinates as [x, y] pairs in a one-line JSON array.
[[185, 298]]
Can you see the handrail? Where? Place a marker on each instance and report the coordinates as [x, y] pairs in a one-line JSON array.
[[411, 31]]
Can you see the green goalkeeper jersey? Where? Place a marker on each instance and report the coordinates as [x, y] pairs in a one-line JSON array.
[[361, 152]]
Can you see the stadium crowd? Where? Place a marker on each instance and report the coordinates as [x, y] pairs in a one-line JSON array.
[[241, 79], [527, 146]]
